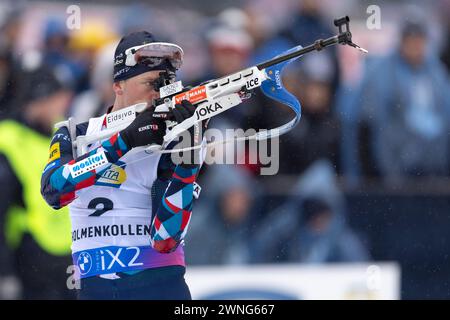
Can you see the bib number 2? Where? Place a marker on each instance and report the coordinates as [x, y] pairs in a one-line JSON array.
[[100, 205]]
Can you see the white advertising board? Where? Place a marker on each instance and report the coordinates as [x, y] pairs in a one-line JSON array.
[[295, 281]]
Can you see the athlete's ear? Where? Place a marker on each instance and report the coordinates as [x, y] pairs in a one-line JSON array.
[[118, 87]]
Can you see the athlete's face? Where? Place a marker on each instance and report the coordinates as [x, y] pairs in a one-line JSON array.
[[138, 89]]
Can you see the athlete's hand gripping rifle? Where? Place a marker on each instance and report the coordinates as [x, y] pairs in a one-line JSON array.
[[216, 96]]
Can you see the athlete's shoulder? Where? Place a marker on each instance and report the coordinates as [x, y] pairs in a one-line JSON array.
[[82, 128], [62, 134]]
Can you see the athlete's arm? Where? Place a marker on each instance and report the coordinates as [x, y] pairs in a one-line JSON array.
[[58, 185], [170, 223], [64, 175], [172, 217]]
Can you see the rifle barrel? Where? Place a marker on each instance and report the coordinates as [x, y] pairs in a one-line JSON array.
[[318, 45]]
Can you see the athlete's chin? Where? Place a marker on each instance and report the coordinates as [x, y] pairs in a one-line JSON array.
[[149, 101]]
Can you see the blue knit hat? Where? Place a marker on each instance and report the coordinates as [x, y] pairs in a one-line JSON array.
[[122, 71]]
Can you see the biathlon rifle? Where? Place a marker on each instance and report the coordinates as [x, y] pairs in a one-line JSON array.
[[213, 97]]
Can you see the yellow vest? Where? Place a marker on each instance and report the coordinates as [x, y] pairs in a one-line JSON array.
[[27, 152]]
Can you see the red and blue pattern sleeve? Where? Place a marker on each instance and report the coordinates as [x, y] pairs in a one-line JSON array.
[[170, 224], [58, 186]]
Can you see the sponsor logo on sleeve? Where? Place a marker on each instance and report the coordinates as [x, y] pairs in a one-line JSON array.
[[90, 163], [61, 136], [55, 153], [114, 176], [197, 190]]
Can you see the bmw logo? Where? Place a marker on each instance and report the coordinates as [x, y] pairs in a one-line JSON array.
[[84, 262]]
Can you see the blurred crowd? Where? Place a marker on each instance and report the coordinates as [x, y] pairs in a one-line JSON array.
[[387, 119]]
